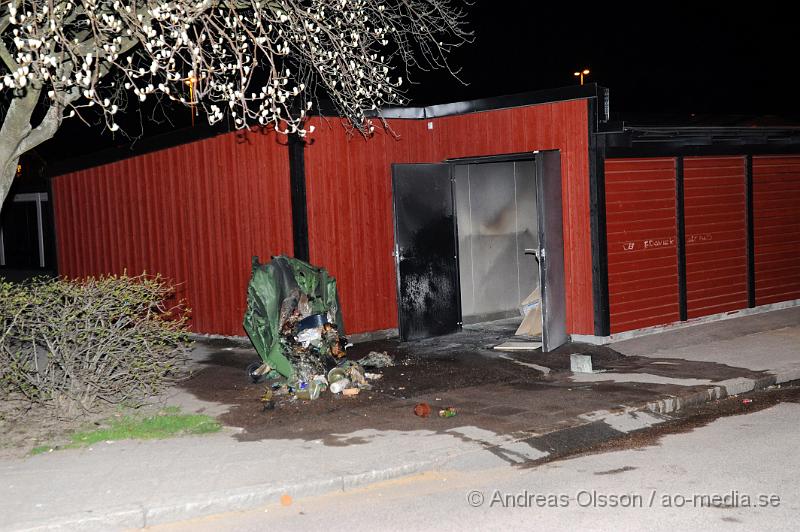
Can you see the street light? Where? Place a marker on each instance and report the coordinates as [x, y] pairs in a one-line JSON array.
[[191, 80], [584, 72]]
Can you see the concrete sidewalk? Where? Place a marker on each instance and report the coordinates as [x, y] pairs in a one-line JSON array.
[[132, 484]]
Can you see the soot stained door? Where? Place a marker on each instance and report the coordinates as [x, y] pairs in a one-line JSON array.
[[426, 251]]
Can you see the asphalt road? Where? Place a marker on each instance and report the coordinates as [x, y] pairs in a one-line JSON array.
[[738, 472]]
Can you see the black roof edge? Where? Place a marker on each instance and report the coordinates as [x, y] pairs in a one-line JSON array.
[[204, 131], [574, 92]]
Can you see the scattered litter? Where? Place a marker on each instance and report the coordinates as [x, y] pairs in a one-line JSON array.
[[293, 317], [350, 392], [447, 412], [263, 369], [307, 336], [422, 410], [355, 373], [531, 312], [373, 376], [268, 399], [518, 346], [336, 374], [294, 321], [376, 360], [747, 401], [580, 363], [340, 385]]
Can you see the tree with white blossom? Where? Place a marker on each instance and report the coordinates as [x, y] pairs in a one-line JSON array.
[[260, 62]]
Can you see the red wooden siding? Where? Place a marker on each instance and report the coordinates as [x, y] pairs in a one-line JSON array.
[[195, 213], [350, 224], [350, 201], [776, 225], [642, 258], [716, 260]]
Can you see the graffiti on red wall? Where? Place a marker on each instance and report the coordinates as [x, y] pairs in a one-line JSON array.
[[653, 243]]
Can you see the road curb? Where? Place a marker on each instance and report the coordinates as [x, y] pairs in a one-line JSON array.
[[722, 390], [140, 516], [607, 426]]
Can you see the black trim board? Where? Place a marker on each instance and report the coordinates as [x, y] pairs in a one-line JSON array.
[[680, 223], [597, 217], [750, 242], [670, 150], [297, 180], [572, 92], [499, 158]]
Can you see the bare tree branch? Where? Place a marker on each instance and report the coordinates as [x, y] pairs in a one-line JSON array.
[[48, 126], [6, 57], [265, 62]]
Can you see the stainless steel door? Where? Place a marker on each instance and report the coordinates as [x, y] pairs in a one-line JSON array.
[[551, 250]]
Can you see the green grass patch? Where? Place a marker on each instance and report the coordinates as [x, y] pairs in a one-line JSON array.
[[166, 423], [41, 449]]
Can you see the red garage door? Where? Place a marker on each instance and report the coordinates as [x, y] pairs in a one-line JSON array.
[[776, 227], [716, 234], [642, 258]]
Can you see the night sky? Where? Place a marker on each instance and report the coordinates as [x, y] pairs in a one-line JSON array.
[[670, 59], [655, 57]]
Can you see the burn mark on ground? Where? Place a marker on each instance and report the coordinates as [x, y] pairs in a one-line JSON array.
[[459, 370]]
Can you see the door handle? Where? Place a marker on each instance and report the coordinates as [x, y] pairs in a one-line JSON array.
[[537, 254]]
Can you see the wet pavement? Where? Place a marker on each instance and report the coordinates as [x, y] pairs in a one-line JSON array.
[[689, 420], [520, 393], [514, 411]]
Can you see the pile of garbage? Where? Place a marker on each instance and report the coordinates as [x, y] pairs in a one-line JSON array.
[[295, 324]]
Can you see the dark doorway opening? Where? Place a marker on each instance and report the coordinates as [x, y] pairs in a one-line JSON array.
[[475, 237], [26, 237]]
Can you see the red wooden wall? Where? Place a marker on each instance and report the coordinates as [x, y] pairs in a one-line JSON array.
[[716, 234], [776, 225], [642, 258], [350, 224], [195, 213], [350, 200]]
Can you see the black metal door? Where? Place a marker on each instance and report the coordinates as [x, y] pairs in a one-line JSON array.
[[426, 252]]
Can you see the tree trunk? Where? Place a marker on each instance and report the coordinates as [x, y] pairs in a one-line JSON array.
[[16, 126], [17, 135], [9, 170]]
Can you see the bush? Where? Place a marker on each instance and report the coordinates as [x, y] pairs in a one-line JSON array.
[[68, 345]]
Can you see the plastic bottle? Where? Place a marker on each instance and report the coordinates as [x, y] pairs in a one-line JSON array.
[[338, 386]]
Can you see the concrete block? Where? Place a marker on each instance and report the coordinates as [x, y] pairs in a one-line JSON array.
[[580, 363]]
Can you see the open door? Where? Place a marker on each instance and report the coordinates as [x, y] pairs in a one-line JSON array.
[[426, 252], [551, 250]]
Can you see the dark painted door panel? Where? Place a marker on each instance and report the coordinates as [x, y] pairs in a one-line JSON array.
[[425, 252]]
